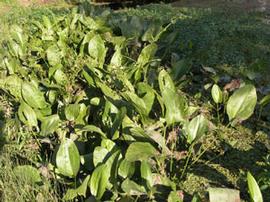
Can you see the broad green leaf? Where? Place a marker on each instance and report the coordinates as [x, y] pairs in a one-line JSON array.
[[148, 95], [137, 102], [33, 96], [140, 151], [72, 111], [108, 91], [27, 173], [99, 180], [43, 113], [49, 124], [224, 195], [197, 127], [175, 196], [68, 158], [108, 144], [216, 94], [241, 104], [83, 114], [132, 188], [17, 34], [80, 191], [174, 103], [146, 172], [14, 85], [117, 57], [60, 77], [254, 189], [53, 55], [126, 168], [147, 54], [97, 49], [93, 129], [99, 155], [27, 115]]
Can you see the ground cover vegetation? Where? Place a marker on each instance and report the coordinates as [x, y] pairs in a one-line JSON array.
[[148, 104]]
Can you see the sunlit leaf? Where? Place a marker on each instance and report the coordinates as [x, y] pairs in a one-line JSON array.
[[146, 172], [68, 158], [80, 191], [97, 49], [33, 96], [241, 104], [216, 94], [197, 127], [126, 168], [132, 188], [49, 124], [147, 54], [254, 189], [99, 180], [174, 103], [27, 115], [140, 151], [99, 155]]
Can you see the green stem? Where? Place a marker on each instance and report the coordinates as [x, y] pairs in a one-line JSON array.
[[218, 113], [187, 161], [200, 155]]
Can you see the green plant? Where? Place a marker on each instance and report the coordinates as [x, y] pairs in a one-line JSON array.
[[108, 111], [254, 190]]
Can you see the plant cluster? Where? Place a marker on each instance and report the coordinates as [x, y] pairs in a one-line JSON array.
[[107, 115]]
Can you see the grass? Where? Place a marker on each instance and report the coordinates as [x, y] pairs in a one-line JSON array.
[[231, 43]]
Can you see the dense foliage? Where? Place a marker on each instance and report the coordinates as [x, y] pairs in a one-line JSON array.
[[107, 110]]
